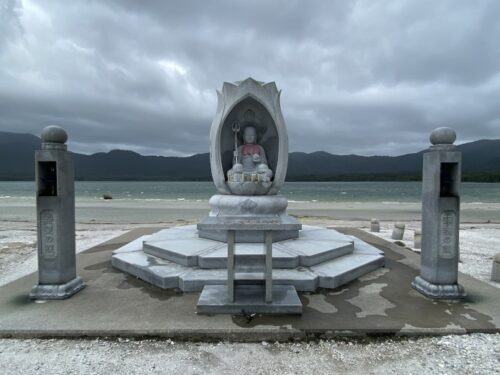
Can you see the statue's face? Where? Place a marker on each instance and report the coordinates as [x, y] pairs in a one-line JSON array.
[[249, 135]]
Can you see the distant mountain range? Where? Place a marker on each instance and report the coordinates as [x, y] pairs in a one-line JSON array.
[[481, 162]]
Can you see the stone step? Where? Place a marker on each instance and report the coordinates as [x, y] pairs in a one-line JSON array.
[[249, 298], [183, 251], [248, 256], [314, 246], [330, 274], [340, 271]]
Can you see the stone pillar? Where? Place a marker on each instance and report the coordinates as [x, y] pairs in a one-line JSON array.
[[495, 269], [398, 231], [440, 218], [374, 225], [55, 209]]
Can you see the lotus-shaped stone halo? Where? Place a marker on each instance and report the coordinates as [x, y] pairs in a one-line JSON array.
[[259, 168]]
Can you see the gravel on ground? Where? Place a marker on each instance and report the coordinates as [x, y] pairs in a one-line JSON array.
[[470, 354]]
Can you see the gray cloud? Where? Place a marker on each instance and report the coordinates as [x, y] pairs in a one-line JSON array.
[[10, 25], [357, 77]]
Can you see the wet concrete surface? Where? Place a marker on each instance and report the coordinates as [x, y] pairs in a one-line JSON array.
[[116, 304]]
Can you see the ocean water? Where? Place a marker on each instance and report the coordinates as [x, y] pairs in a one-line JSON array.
[[88, 191]]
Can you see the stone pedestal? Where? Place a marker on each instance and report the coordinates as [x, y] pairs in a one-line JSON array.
[[55, 207], [177, 258], [228, 209], [440, 218]]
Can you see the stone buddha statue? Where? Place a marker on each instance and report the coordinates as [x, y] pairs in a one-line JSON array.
[[250, 174]]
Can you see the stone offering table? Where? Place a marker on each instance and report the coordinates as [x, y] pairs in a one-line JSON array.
[[240, 295]]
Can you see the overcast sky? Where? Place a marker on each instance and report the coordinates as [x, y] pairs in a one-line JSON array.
[[362, 77]]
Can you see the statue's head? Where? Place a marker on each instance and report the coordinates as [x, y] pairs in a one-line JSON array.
[[250, 135]]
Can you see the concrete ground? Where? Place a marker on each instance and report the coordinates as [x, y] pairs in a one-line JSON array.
[[115, 304]]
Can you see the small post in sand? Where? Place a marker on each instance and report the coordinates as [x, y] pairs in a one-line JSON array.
[[398, 231], [374, 225], [495, 269]]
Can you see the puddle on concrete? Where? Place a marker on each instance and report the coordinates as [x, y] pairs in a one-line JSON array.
[[131, 282], [318, 302], [21, 300], [105, 267]]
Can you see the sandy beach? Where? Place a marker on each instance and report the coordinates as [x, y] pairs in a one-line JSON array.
[[103, 220], [142, 211]]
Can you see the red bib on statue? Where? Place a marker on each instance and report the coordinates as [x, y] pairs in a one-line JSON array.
[[250, 149]]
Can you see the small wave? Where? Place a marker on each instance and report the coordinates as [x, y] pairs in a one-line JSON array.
[[127, 199], [32, 197]]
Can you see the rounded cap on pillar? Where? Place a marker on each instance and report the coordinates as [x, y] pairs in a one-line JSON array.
[[443, 136], [54, 134]]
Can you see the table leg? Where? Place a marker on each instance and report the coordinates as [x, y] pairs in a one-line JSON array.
[[230, 265], [269, 265]]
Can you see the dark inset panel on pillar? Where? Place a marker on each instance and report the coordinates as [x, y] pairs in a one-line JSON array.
[[47, 179], [449, 180]]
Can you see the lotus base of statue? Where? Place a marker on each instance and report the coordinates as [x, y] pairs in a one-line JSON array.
[[251, 210]]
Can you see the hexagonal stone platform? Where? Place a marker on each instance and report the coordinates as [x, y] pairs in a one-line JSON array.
[[178, 258]]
